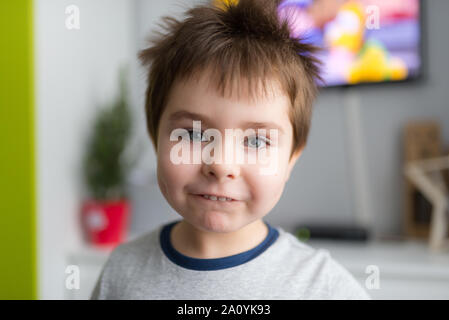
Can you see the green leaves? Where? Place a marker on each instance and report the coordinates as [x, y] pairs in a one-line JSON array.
[[105, 168]]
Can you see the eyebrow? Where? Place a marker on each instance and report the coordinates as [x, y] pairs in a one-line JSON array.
[[183, 114]]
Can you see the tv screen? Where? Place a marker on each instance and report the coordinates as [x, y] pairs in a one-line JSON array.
[[363, 41]]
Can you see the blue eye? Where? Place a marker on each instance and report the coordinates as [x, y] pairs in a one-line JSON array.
[[195, 135], [263, 141]]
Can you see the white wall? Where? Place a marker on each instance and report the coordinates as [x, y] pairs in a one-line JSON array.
[[76, 72]]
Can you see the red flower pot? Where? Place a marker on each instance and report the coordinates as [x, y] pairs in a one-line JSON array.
[[105, 223]]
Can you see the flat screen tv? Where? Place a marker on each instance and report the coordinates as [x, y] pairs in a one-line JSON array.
[[362, 41]]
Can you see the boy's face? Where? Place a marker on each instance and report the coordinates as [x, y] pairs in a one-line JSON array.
[[254, 194]]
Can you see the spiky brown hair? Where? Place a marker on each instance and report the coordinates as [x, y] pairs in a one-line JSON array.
[[238, 40]]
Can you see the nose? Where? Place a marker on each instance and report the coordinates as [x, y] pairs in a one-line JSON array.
[[220, 169]]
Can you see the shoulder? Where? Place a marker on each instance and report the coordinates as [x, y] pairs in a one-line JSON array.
[[126, 259], [325, 274], [342, 284], [123, 263], [291, 248], [138, 248]]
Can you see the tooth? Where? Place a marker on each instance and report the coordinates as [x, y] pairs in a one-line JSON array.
[[228, 199], [205, 196], [222, 198], [213, 197]]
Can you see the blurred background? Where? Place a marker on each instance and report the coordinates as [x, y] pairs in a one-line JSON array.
[[370, 186]]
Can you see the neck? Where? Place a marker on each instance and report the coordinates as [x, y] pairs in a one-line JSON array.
[[196, 243]]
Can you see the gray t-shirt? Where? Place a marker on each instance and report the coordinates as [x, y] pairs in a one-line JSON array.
[[281, 267]]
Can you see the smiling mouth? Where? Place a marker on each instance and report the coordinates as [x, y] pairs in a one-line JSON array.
[[215, 198]]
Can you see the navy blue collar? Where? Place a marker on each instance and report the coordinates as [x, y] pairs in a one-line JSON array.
[[216, 263]]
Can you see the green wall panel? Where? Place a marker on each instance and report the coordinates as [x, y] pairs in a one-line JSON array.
[[18, 250]]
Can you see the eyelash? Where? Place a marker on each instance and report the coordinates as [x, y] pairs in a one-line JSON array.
[[264, 139]]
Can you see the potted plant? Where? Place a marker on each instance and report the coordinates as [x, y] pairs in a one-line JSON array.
[[105, 212]]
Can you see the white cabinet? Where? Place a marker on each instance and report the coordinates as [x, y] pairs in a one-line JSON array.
[[406, 269]]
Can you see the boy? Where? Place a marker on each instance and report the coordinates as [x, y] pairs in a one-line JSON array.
[[225, 68]]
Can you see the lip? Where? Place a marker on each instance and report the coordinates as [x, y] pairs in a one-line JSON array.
[[216, 202]]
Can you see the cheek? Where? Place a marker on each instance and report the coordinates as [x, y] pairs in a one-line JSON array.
[[172, 177], [267, 189]]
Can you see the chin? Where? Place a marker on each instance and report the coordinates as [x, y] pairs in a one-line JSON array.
[[216, 222]]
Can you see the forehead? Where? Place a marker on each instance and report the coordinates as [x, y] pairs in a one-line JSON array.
[[233, 88], [242, 99]]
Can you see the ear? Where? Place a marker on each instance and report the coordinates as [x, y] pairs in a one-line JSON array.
[[292, 162]]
